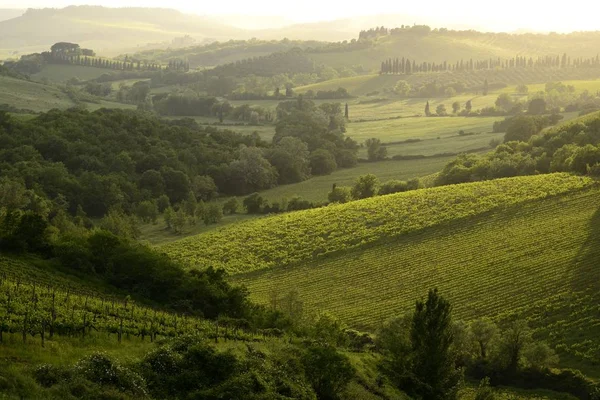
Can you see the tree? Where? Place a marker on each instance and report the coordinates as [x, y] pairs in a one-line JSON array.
[[177, 185], [365, 186], [483, 331], [204, 188], [340, 194], [513, 341], [468, 106], [322, 162], [486, 88], [153, 181], [455, 107], [540, 356], [328, 371], [441, 110], [253, 203], [346, 111], [147, 211], [251, 171], [213, 213], [537, 106], [402, 88], [375, 151], [505, 102], [521, 129], [427, 110], [450, 92], [393, 186], [231, 206], [433, 373], [290, 157]]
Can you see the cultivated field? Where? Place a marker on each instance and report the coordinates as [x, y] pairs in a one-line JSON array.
[[309, 235], [62, 73], [32, 96], [487, 264], [317, 188]]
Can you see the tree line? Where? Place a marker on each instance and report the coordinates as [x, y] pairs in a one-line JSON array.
[[405, 66]]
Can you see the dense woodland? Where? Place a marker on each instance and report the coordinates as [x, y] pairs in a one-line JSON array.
[[97, 162]]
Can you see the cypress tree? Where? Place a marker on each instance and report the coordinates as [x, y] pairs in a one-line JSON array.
[[346, 111], [433, 373], [427, 110]]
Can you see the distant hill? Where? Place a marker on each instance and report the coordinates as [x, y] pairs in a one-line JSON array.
[[107, 30], [368, 49], [10, 13]]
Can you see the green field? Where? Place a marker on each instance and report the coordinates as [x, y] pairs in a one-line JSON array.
[[516, 254], [32, 96], [317, 188], [61, 73], [305, 236], [396, 130], [486, 265]]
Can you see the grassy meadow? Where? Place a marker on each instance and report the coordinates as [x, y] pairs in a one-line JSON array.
[[32, 96], [60, 73], [317, 188]]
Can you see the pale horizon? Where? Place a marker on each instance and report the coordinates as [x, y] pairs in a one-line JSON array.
[[511, 16]]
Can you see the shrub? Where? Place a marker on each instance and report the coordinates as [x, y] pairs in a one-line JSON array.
[[231, 206], [365, 186], [341, 194], [393, 186], [253, 203], [328, 371]]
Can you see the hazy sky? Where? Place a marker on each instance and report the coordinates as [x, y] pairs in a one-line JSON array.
[[495, 15]]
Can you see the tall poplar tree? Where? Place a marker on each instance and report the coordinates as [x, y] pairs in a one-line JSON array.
[[433, 373]]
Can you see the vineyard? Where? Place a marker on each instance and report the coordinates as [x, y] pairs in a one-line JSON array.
[[485, 265], [570, 323], [312, 234], [38, 306]]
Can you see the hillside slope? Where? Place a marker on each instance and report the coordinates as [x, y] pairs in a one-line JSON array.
[[439, 45], [106, 29], [305, 236], [486, 264], [536, 261], [33, 96]]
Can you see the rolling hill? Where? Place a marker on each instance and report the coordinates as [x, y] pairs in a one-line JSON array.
[[306, 236], [106, 30], [10, 13], [523, 247]]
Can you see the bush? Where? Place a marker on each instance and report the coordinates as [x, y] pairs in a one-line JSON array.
[[297, 203], [340, 194], [322, 162], [231, 206], [254, 203], [328, 371], [365, 186], [213, 213], [594, 170], [393, 186]]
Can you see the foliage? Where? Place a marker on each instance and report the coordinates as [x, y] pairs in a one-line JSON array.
[[327, 371], [393, 186], [365, 186], [340, 194], [375, 150], [432, 370]]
